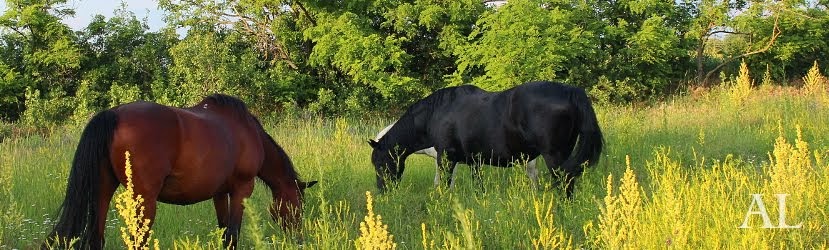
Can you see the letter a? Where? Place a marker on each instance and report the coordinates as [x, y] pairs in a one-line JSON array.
[[781, 209], [756, 199]]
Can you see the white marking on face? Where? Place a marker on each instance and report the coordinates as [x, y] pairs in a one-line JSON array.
[[205, 106]]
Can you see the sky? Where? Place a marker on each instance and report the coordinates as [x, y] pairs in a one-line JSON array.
[[86, 9]]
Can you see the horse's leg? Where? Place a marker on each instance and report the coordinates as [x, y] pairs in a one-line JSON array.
[[150, 205], [444, 166], [108, 186], [437, 172], [452, 174], [234, 222], [532, 172], [221, 206], [449, 171], [553, 161], [476, 172], [149, 187], [570, 172], [234, 218]]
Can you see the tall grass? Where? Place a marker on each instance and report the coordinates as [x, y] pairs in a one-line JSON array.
[[680, 173]]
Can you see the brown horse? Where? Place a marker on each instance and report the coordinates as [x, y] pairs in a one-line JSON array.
[[213, 150]]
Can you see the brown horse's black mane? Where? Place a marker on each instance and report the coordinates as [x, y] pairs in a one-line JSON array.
[[287, 161], [227, 101], [234, 103]]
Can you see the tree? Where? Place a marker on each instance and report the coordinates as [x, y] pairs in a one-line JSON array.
[[643, 46], [521, 41], [710, 18], [756, 13], [11, 84], [361, 53], [43, 54], [121, 53], [801, 39]]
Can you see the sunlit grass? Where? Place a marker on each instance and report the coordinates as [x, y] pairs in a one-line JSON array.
[[694, 162]]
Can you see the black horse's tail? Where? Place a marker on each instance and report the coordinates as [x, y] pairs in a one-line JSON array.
[[79, 211], [590, 142]]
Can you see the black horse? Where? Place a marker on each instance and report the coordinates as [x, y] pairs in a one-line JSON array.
[[468, 125]]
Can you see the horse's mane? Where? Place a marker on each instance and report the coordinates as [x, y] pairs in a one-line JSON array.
[[406, 124], [227, 101], [238, 105], [286, 161], [440, 96]]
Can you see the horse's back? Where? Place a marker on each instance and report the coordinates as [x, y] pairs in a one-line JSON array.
[[541, 92], [546, 114], [189, 154], [146, 128], [471, 123], [525, 119]]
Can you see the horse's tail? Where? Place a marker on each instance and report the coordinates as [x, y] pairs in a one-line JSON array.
[[79, 211], [589, 146]]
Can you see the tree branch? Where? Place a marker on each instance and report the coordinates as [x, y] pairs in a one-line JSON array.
[[774, 34], [18, 31], [260, 31], [727, 32], [305, 11]]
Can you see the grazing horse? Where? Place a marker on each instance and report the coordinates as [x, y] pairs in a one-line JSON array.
[[213, 150], [468, 125], [532, 171]]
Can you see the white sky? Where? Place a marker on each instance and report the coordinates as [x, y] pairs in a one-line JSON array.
[[86, 9]]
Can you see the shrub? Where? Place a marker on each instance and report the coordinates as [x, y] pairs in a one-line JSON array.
[[137, 233], [46, 112], [373, 233]]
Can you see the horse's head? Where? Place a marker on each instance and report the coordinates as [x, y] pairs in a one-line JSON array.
[[287, 204], [286, 188], [387, 164]]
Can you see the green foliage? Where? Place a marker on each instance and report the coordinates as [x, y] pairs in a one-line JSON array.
[[84, 109], [39, 54], [46, 110], [607, 91], [346, 43], [48, 51], [122, 53], [325, 99], [202, 65], [126, 93], [5, 130], [10, 88], [522, 41], [350, 57], [642, 52]]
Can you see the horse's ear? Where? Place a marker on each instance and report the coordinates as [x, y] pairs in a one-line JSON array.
[[373, 143], [304, 185]]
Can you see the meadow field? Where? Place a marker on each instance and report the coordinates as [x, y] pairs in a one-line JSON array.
[[678, 173]]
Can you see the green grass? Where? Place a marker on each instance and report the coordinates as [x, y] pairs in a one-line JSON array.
[[695, 157]]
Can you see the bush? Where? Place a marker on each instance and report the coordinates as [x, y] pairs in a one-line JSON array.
[[126, 93], [46, 112], [5, 131]]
